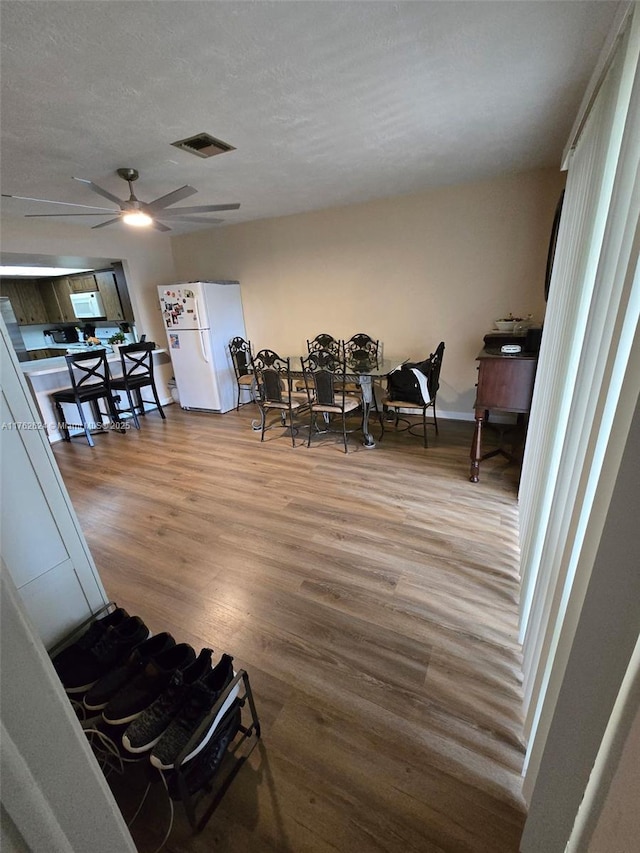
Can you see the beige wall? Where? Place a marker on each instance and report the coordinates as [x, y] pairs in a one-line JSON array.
[[410, 270], [618, 827]]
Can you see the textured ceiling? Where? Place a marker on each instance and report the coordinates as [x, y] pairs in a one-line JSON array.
[[327, 103]]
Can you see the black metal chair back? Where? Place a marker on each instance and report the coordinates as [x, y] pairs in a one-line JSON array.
[[324, 341], [240, 352], [324, 377], [433, 377], [273, 376], [361, 348]]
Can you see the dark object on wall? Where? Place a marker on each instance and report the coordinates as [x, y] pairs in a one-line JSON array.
[[63, 334], [532, 340], [552, 245]]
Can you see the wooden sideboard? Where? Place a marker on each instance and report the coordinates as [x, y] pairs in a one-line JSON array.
[[505, 383]]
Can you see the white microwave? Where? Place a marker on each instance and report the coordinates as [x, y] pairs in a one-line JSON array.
[[86, 305]]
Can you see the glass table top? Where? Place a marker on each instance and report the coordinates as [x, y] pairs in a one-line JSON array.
[[384, 366]]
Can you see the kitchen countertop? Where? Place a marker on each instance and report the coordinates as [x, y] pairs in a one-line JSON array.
[[44, 366]]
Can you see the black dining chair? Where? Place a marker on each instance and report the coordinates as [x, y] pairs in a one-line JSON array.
[[90, 382], [276, 392], [137, 373], [360, 350], [324, 341], [398, 400], [240, 352], [362, 347], [324, 378]]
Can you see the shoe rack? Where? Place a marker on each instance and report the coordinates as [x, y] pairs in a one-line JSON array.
[[201, 805]]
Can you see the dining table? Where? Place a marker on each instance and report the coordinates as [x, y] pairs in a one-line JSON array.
[[364, 373]]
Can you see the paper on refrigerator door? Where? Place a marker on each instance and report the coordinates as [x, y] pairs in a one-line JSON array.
[[180, 308]]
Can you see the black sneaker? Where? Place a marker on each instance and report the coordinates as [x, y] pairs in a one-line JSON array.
[[145, 688], [115, 645], [145, 732], [106, 688], [203, 768], [66, 661], [201, 698]]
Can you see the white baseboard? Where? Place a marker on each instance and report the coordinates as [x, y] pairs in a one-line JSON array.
[[503, 418]]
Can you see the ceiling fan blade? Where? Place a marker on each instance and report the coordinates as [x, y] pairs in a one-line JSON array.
[[194, 219], [51, 201], [103, 224], [100, 191], [171, 198], [159, 226], [202, 208], [40, 215]]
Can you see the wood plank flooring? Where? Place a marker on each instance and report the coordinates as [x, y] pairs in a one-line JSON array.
[[371, 597]]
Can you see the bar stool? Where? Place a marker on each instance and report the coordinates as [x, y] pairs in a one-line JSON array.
[[90, 382], [137, 373]]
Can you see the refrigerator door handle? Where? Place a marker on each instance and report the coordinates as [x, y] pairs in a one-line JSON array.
[[203, 347]]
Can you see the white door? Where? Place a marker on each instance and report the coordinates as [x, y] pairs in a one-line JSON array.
[[41, 541], [194, 370]]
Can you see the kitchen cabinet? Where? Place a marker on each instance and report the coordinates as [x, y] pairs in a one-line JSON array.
[[44, 301], [106, 282], [50, 301], [38, 354], [62, 291], [82, 283], [123, 292], [26, 301]]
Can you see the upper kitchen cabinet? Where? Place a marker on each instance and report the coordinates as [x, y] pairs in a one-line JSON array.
[[50, 301], [82, 283], [106, 283], [62, 290], [26, 300]]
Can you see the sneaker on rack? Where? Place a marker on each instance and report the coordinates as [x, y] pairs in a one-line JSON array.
[[66, 661], [145, 731], [202, 769], [199, 702], [145, 688], [107, 687], [115, 645]]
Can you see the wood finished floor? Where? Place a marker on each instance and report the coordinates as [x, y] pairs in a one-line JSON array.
[[372, 598]]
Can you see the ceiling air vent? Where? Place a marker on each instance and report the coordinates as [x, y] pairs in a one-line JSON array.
[[203, 145]]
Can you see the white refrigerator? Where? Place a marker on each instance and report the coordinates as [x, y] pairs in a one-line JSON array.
[[200, 318]]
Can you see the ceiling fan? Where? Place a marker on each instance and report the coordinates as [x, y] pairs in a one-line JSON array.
[[135, 212]]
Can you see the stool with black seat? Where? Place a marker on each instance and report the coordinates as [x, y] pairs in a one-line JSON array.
[[90, 382], [137, 373]]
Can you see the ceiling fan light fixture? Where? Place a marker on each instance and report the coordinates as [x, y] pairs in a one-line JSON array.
[[137, 218]]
